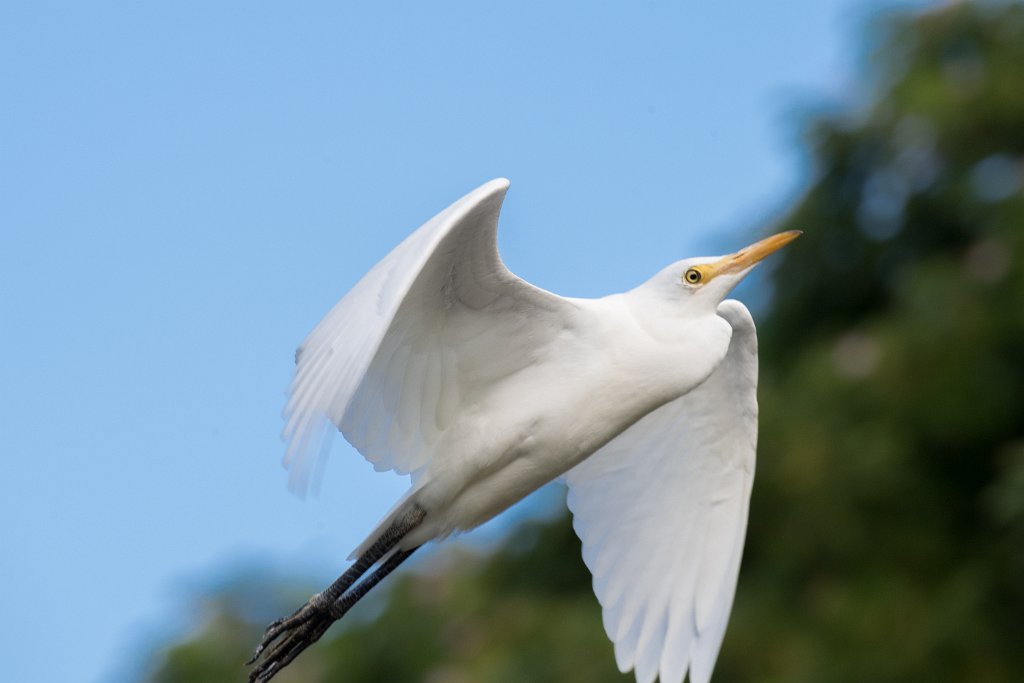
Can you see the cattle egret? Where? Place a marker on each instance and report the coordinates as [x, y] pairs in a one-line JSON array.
[[442, 364]]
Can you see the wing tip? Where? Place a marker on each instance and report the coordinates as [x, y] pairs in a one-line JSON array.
[[492, 188], [736, 314]]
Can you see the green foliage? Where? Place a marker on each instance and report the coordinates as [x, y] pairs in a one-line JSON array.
[[886, 537]]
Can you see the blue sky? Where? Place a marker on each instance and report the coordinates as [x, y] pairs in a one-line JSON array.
[[188, 188]]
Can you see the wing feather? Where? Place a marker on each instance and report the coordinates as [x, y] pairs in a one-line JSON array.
[[662, 512], [393, 363]]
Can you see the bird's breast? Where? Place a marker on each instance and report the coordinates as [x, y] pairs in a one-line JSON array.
[[534, 426]]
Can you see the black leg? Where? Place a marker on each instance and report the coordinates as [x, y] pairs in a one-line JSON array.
[[322, 606], [310, 631], [347, 601]]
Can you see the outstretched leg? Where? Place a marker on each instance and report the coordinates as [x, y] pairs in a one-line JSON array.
[[309, 632], [322, 607]]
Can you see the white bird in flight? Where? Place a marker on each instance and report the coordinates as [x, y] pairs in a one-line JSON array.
[[442, 364]]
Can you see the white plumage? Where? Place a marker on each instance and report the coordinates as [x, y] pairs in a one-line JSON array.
[[662, 512], [442, 364]]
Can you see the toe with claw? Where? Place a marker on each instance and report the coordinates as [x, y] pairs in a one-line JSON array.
[[287, 638]]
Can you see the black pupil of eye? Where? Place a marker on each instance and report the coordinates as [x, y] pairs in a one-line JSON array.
[[693, 276]]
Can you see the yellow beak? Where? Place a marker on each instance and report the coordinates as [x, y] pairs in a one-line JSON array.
[[748, 256]]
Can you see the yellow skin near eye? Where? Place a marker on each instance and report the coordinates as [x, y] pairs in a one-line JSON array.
[[743, 259]]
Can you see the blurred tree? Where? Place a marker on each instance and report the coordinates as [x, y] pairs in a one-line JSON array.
[[887, 529]]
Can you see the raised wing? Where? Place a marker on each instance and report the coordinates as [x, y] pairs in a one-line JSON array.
[[662, 513], [420, 335]]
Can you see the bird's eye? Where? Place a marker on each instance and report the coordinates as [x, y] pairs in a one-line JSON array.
[[693, 276]]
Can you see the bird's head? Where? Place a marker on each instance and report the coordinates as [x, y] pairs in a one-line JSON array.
[[704, 282]]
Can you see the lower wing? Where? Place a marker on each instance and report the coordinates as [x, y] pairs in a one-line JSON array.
[[662, 514]]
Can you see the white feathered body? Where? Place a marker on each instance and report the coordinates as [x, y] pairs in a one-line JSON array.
[[602, 374]]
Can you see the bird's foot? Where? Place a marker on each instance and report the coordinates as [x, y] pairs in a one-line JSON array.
[[287, 638]]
